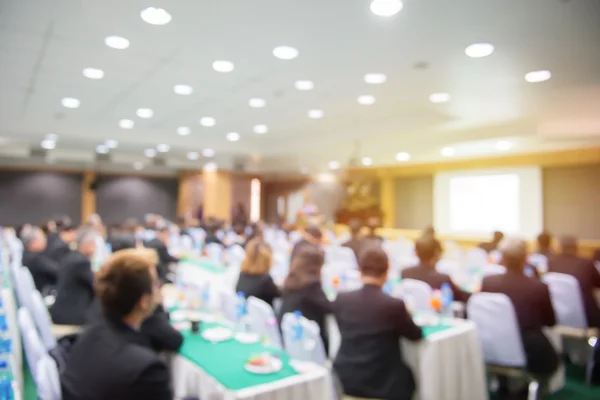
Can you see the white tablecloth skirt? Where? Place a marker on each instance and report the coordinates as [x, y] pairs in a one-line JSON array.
[[190, 380]]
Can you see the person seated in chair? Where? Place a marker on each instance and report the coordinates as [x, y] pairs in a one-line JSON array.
[[311, 236], [255, 279], [356, 242], [544, 245], [583, 270], [76, 282], [60, 246], [428, 249], [369, 363], [43, 269], [373, 224], [533, 307], [107, 362], [160, 243]]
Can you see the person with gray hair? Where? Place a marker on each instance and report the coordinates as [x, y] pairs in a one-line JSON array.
[[76, 282], [533, 308], [43, 270]]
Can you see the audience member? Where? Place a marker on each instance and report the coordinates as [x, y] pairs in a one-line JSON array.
[[531, 300], [239, 215], [107, 362], [493, 245], [160, 243], [373, 224], [49, 227], [355, 243], [60, 246], [76, 282], [582, 269], [212, 228], [303, 291], [311, 237], [369, 363], [43, 270], [428, 251], [544, 244], [255, 279]]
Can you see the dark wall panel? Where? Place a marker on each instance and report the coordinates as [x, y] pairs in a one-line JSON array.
[[36, 196], [119, 198]]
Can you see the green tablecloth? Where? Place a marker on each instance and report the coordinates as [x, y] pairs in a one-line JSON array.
[[29, 388], [429, 330], [225, 361], [206, 265]]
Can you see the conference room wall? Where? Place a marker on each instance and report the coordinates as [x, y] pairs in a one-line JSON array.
[[37, 196], [121, 197], [241, 192], [414, 202]]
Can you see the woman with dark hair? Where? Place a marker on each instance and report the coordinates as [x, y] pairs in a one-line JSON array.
[[255, 279], [302, 290]]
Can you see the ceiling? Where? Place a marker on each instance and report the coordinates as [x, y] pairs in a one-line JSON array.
[[44, 46]]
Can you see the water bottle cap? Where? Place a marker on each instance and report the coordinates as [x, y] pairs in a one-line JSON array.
[[297, 314], [3, 364], [241, 294]]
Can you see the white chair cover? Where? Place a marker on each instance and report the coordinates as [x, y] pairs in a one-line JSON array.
[[346, 256], [447, 267], [476, 257], [280, 267], [498, 329], [32, 344], [263, 321], [228, 302], [214, 252], [24, 286], [493, 269], [42, 321], [539, 261], [220, 235], [295, 237], [416, 294], [236, 254], [311, 348], [567, 300], [47, 379]]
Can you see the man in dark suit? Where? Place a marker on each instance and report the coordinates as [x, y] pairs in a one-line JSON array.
[[43, 270], [428, 249], [369, 363], [531, 300], [493, 245], [75, 282], [106, 362], [60, 247], [355, 243], [312, 236], [582, 269], [373, 224], [160, 243], [544, 244]]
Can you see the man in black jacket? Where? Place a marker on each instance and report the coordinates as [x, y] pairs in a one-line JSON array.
[[106, 362], [60, 247], [43, 269], [160, 243]]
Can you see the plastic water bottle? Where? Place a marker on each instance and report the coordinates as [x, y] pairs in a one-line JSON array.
[[343, 281], [447, 299], [206, 297], [240, 311], [6, 381], [387, 287]]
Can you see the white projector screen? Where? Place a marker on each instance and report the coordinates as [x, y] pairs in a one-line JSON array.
[[476, 203]]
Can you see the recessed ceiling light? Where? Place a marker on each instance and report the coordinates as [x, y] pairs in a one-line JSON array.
[[150, 153], [315, 114], [366, 100], [111, 144], [207, 121], [93, 73], [163, 148], [538, 76], [233, 136], [116, 42], [366, 161], [70, 102], [447, 151], [144, 113], [439, 97], [261, 129], [208, 153], [402, 156], [155, 16], [184, 90], [375, 79], [209, 167], [257, 103], [285, 52], [223, 66], [102, 149], [479, 50], [138, 165], [334, 165], [386, 8], [126, 123], [193, 155], [304, 85], [184, 130], [48, 144], [52, 136], [504, 145]]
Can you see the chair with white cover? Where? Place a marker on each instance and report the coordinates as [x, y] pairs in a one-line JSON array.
[[214, 252], [47, 379], [500, 336], [539, 261], [476, 257], [567, 301], [236, 254], [24, 286], [42, 321], [345, 255], [311, 347], [493, 269], [32, 344], [263, 321], [447, 267], [228, 303], [416, 294]]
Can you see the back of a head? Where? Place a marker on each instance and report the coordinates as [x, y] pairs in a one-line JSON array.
[[123, 280], [514, 253], [429, 231], [314, 231], [568, 245], [544, 240], [122, 241], [355, 227], [259, 257], [29, 237], [305, 268], [373, 262], [427, 248]]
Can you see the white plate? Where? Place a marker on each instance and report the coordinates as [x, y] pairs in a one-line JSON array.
[[247, 337], [200, 316], [182, 325], [218, 334], [178, 315], [274, 366], [427, 320]]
